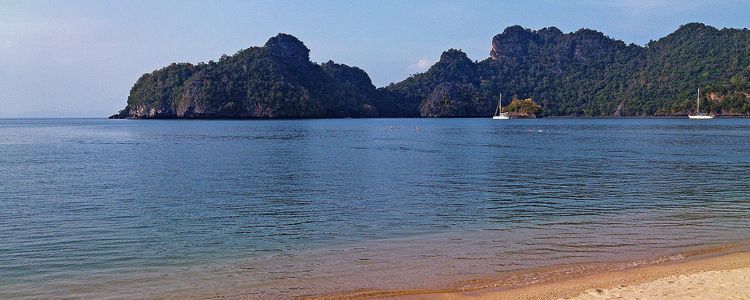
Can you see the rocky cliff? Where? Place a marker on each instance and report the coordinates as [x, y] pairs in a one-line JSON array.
[[582, 73], [277, 80]]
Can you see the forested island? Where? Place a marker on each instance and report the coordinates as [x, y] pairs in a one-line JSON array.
[[583, 73]]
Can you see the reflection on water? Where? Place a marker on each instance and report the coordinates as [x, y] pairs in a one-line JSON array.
[[282, 207]]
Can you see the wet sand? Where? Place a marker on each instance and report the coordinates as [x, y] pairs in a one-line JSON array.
[[698, 272], [706, 274]]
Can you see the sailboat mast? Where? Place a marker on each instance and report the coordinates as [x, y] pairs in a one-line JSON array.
[[498, 109], [698, 109]]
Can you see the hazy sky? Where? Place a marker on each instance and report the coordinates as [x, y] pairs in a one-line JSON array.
[[80, 58]]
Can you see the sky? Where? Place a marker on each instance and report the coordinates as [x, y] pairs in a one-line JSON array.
[[80, 58]]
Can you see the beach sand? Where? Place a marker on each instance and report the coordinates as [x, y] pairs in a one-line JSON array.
[[725, 284], [711, 276]]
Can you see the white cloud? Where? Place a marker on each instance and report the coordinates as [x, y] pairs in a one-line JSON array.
[[420, 66]]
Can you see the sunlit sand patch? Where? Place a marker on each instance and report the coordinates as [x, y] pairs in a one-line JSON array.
[[724, 284]]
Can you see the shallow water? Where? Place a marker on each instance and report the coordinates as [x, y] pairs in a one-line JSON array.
[[114, 207]]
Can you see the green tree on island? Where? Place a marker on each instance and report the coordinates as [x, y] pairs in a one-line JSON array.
[[523, 108]]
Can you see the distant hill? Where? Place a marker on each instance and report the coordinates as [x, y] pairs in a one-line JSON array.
[[583, 73], [586, 73], [274, 81]]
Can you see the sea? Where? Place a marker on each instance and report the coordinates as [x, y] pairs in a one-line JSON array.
[[260, 209]]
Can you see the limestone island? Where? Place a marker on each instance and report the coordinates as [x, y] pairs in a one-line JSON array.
[[582, 73]]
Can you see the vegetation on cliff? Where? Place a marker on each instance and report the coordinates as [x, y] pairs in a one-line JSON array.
[[583, 73], [586, 73], [274, 81], [523, 108], [455, 100]]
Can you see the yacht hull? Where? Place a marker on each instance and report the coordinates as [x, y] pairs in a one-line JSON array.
[[701, 117]]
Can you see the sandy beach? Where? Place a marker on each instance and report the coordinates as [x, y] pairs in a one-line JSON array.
[[711, 272], [724, 284], [716, 277]]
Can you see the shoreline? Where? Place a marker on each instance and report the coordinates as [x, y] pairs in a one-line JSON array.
[[543, 282], [373, 118], [575, 287], [563, 282], [402, 268], [416, 117]]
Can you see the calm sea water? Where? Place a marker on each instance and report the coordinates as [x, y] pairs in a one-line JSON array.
[[86, 199]]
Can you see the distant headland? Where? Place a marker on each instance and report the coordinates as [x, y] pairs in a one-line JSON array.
[[583, 73]]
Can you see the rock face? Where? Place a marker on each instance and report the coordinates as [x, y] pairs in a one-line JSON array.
[[454, 76], [455, 100], [287, 46], [513, 43]]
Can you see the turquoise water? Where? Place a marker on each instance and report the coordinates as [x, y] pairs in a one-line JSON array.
[[90, 197]]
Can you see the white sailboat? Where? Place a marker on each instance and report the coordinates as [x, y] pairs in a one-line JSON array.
[[698, 114], [499, 114]]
